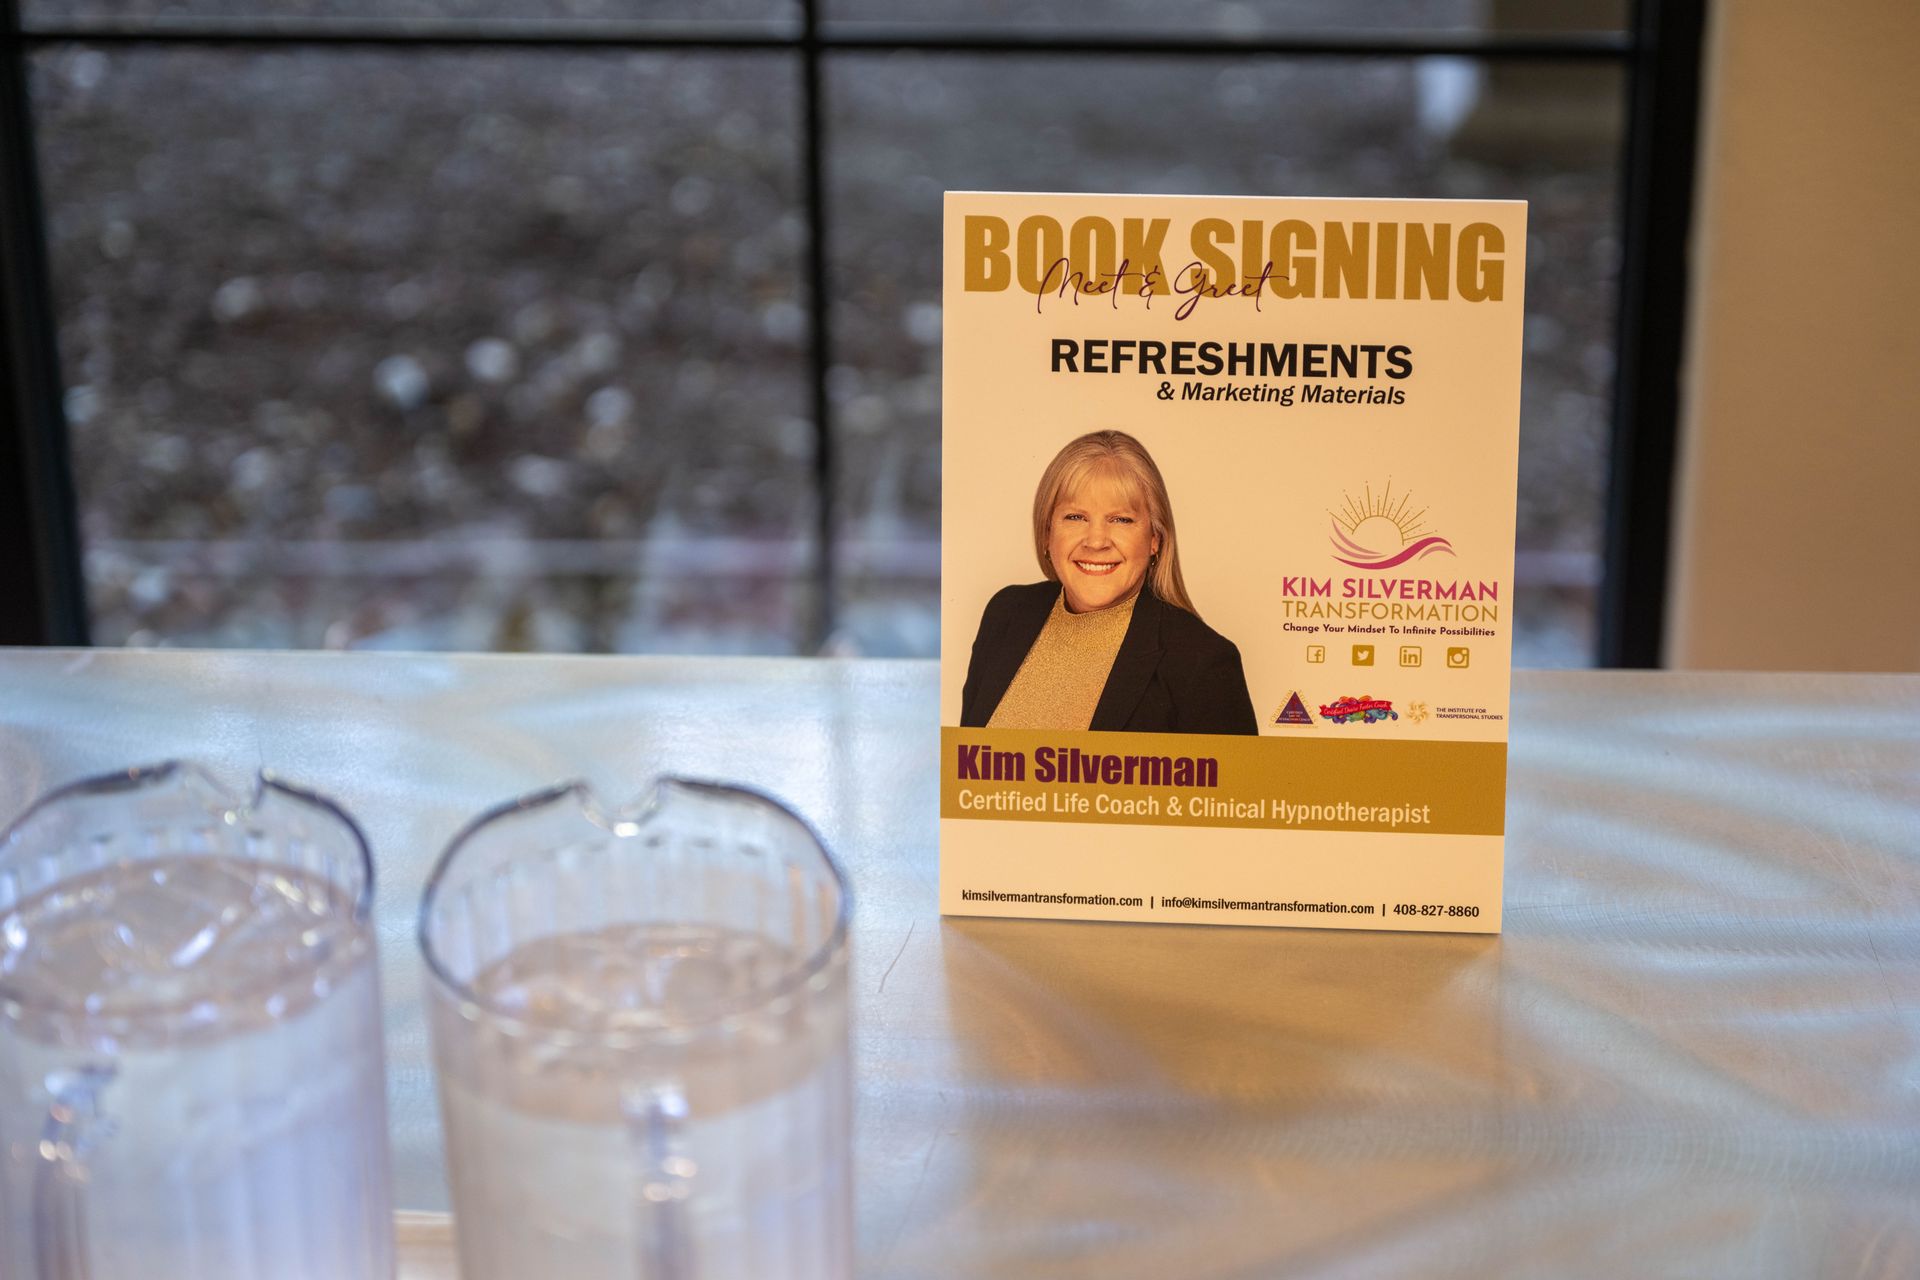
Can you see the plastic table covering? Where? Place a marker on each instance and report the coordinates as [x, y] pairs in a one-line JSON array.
[[1695, 1050]]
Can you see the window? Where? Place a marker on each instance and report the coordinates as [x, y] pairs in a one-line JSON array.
[[521, 324]]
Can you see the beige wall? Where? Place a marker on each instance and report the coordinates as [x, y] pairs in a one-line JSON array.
[[1798, 520]]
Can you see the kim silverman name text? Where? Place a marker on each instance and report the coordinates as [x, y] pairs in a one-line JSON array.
[[981, 763]]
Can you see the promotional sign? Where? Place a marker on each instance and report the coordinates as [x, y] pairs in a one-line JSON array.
[[1227, 558]]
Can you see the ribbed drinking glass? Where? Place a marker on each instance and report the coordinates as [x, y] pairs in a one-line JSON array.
[[192, 1080], [640, 1037]]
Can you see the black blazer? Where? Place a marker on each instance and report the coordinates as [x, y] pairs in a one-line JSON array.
[[1173, 674]]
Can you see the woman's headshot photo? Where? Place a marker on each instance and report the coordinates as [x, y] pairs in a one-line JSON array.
[[1110, 640]]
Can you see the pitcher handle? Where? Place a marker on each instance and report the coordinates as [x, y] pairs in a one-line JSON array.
[[656, 1125], [60, 1180]]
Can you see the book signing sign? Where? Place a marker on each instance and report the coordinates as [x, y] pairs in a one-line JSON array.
[[1227, 558]]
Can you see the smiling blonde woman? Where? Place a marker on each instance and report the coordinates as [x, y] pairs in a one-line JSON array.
[[1111, 639]]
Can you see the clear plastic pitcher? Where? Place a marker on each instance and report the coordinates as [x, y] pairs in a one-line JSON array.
[[640, 1038], [191, 1075]]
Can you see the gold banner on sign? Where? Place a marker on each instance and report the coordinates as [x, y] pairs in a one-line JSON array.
[[1206, 780]]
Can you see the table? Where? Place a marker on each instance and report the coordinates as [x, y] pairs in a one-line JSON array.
[[1695, 1051]]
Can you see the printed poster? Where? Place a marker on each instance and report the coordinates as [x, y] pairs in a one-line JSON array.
[[1227, 558]]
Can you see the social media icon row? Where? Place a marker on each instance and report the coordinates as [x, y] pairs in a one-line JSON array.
[[1459, 657]]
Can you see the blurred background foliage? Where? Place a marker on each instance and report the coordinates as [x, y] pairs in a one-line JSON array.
[[509, 348]]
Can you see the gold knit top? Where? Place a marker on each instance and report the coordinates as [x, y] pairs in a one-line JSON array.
[[1059, 683]]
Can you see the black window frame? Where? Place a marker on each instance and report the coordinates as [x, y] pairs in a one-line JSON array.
[[42, 583]]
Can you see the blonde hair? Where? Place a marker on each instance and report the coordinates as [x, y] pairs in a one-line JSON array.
[[1117, 454]]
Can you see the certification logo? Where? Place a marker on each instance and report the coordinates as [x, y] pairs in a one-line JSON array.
[[1383, 532], [1360, 710], [1295, 712]]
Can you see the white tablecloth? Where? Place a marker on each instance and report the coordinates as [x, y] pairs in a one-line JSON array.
[[1695, 1051]]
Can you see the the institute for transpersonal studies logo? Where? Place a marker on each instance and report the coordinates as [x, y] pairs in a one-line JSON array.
[[1383, 532], [1360, 710]]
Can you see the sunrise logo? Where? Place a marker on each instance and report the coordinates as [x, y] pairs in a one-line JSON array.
[[1372, 532]]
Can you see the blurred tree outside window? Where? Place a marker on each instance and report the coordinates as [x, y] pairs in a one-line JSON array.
[[510, 348]]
